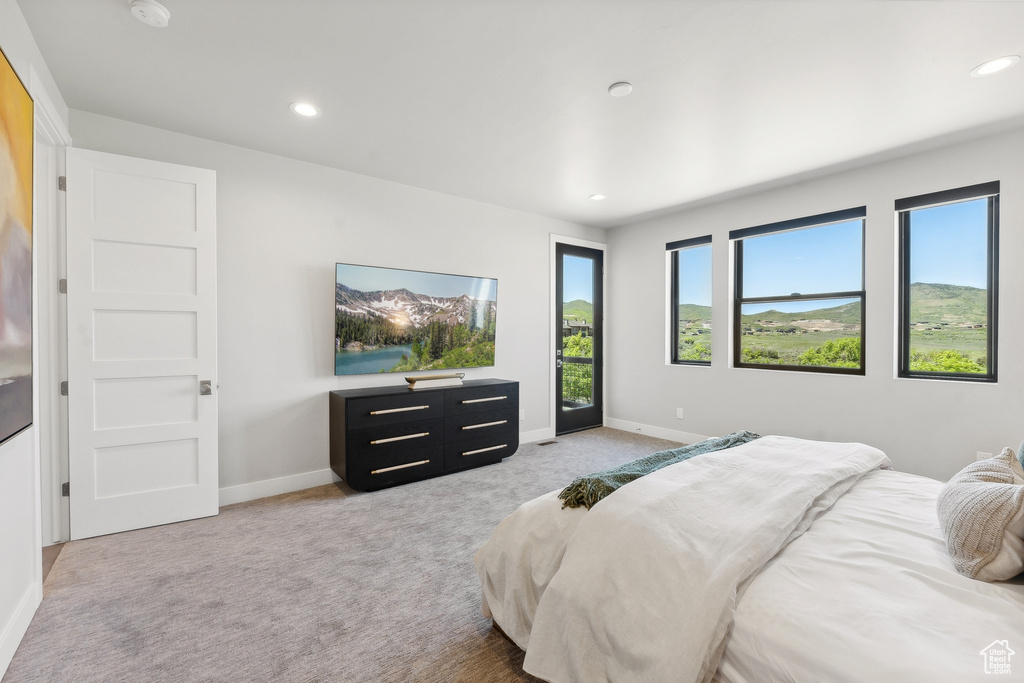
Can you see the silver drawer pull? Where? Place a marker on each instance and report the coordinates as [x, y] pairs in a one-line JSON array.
[[485, 400], [400, 467], [399, 438], [484, 450], [485, 424], [397, 410]]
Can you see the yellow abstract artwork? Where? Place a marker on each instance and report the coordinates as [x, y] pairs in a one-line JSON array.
[[16, 128]]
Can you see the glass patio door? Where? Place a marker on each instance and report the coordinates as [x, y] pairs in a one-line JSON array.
[[578, 323]]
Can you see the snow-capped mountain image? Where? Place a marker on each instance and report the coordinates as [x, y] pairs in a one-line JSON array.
[[406, 308], [386, 321]]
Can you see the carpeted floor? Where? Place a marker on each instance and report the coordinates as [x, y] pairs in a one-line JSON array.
[[321, 585]]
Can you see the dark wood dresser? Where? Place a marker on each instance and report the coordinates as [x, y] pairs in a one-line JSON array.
[[386, 436]]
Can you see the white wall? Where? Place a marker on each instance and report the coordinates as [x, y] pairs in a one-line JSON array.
[[20, 523], [24, 55], [282, 225], [927, 427], [20, 547]]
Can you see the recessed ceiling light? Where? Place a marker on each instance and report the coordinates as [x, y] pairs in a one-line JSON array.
[[597, 197], [620, 89], [305, 109], [995, 66], [150, 12]]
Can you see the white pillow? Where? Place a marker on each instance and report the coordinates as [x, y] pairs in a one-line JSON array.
[[1010, 560], [981, 510]]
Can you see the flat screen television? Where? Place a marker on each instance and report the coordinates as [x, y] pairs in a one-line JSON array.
[[394, 320]]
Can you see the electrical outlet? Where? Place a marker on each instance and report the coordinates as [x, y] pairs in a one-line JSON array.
[[679, 413], [983, 455], [522, 415]]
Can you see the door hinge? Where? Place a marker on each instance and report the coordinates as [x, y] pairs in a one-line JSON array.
[[64, 388], [62, 183], [65, 489], [62, 285]]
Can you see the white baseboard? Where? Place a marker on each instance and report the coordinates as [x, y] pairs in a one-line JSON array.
[[274, 487], [296, 482], [649, 430], [16, 626], [536, 435], [241, 493]]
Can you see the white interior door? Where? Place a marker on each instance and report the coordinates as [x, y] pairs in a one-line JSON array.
[[142, 342]]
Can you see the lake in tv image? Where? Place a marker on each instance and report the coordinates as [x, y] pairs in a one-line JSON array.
[[394, 320]]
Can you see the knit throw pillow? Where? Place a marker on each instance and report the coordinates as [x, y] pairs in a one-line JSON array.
[[981, 511]]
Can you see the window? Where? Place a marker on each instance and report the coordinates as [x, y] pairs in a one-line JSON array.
[[800, 294], [690, 307], [948, 275]]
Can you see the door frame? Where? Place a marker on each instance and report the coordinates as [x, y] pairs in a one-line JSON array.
[[555, 332], [49, 318]]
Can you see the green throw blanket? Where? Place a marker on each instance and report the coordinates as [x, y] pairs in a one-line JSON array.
[[587, 491]]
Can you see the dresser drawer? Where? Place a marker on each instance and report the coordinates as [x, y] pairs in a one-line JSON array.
[[387, 469], [478, 425], [404, 436], [462, 455], [385, 436], [481, 399], [373, 411]]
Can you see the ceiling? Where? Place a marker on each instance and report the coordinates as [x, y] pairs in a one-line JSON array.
[[506, 101]]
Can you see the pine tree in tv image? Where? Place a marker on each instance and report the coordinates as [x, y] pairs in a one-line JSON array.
[[393, 320]]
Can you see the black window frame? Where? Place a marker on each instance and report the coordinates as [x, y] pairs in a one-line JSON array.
[[674, 248], [807, 222], [904, 207]]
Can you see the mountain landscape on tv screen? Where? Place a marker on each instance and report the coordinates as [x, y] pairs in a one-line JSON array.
[[398, 330]]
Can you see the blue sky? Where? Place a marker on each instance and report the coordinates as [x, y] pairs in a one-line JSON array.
[[948, 244], [695, 275], [577, 279], [808, 261], [372, 279]]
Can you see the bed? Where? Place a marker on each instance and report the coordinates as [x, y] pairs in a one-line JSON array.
[[777, 560]]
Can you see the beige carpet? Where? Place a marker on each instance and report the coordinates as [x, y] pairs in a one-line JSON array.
[[321, 585]]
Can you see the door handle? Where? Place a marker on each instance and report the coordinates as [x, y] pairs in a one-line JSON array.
[[558, 363], [205, 387]]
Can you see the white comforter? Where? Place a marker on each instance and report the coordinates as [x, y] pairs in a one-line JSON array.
[[520, 559], [869, 593], [648, 582]]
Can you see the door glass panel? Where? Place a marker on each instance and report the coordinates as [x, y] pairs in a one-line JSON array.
[[577, 332]]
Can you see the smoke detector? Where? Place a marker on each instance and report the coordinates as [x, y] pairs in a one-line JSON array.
[[150, 12]]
